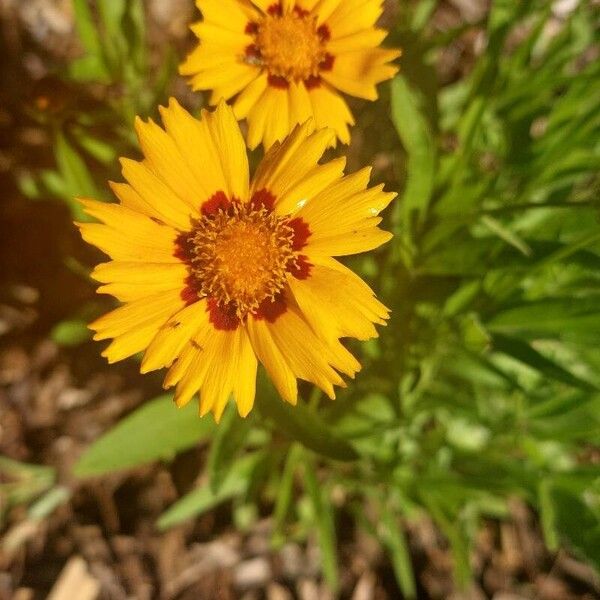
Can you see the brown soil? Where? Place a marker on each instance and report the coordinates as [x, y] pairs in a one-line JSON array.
[[54, 402]]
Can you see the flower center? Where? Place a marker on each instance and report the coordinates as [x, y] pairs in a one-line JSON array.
[[290, 45], [240, 256]]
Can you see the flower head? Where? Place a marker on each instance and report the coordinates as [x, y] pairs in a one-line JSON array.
[[287, 61], [217, 272]]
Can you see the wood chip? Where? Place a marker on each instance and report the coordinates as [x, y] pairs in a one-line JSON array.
[[75, 582]]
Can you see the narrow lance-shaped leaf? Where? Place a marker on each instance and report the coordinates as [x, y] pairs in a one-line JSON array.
[[325, 524], [415, 133], [525, 353], [157, 430], [228, 440], [285, 490], [202, 499], [394, 540]]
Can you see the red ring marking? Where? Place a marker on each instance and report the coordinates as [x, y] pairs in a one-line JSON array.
[[301, 233], [222, 317], [217, 201], [271, 310]]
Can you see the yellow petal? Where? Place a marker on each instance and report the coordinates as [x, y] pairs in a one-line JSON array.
[[273, 360], [244, 384], [366, 38], [325, 8], [129, 198], [288, 168], [216, 364], [151, 311], [197, 146], [277, 125], [232, 76], [234, 370], [235, 83], [315, 182], [174, 336], [330, 110], [135, 324], [230, 148], [128, 235], [263, 5], [170, 207], [260, 115], [210, 364], [228, 14], [336, 305], [248, 98], [305, 353], [129, 281], [343, 218], [232, 41], [350, 16], [164, 158], [357, 72], [300, 106]]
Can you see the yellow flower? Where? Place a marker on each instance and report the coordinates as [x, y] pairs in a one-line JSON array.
[[287, 60], [217, 272]]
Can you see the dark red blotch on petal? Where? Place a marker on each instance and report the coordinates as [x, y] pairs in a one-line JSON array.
[[314, 81], [189, 294], [270, 310], [324, 33], [217, 201], [251, 28], [275, 9], [278, 82], [253, 51], [222, 317], [301, 268], [301, 12], [263, 199], [183, 247], [301, 233], [327, 63]]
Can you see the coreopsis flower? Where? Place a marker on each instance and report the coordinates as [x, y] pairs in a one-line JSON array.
[[217, 272], [287, 61]]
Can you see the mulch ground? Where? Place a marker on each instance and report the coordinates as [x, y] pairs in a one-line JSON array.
[[54, 402]]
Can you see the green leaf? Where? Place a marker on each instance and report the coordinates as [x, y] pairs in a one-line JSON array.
[[301, 424], [579, 420], [87, 69], [525, 353], [229, 439], [325, 523], [574, 517], [91, 66], [134, 27], [86, 27], [422, 13], [548, 515], [202, 499], [155, 431], [394, 540], [507, 235], [415, 133], [78, 179], [102, 151], [457, 539], [71, 333], [555, 317], [285, 490]]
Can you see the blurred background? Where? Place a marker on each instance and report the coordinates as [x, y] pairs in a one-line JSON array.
[[462, 464]]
